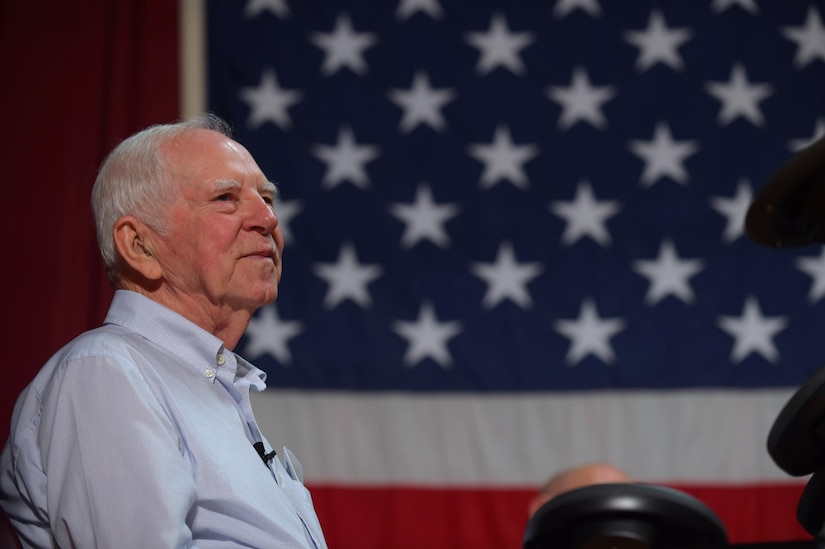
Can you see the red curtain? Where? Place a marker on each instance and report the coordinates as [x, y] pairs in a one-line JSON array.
[[75, 78]]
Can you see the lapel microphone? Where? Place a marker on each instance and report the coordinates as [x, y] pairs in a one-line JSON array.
[[266, 458]]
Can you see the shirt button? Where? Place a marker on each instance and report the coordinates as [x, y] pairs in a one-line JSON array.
[[221, 359], [209, 373]]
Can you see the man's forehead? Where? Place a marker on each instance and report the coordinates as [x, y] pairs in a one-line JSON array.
[[197, 151], [199, 141]]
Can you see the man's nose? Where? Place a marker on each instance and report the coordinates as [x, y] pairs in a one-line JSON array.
[[261, 216]]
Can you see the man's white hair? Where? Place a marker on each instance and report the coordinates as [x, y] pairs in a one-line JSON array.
[[133, 180]]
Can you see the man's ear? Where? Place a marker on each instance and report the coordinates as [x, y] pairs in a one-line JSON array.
[[133, 242]]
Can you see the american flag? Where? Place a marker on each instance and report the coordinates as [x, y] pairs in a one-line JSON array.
[[514, 243]]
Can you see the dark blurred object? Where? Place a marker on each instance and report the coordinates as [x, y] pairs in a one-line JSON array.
[[8, 535], [623, 516], [797, 445], [789, 209], [811, 509], [796, 441]]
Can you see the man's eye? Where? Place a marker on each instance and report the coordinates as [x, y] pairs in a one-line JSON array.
[[224, 197], [268, 200]]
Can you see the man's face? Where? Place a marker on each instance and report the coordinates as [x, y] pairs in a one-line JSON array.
[[222, 252]]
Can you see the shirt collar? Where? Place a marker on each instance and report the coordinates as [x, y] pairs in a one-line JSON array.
[[170, 331], [255, 376], [182, 337]]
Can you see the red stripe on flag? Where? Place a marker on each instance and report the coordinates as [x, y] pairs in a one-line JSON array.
[[411, 518], [754, 513]]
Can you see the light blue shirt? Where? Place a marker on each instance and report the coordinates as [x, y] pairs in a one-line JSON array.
[[139, 434]]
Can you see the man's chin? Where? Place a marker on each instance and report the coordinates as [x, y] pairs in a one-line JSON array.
[[268, 297], [272, 295], [263, 297]]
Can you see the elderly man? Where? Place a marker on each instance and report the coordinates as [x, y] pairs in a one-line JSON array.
[[140, 433]]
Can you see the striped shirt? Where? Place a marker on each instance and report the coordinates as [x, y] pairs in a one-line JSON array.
[[140, 434]]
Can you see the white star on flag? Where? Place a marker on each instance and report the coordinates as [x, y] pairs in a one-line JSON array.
[[421, 104], [658, 43], [503, 159], [285, 211], [663, 157], [739, 97], [424, 219], [343, 47], [269, 102], [347, 278], [346, 159], [796, 145], [506, 278], [589, 334], [668, 274], [427, 337], [278, 7], [815, 268], [810, 39], [752, 332], [585, 216], [408, 8], [748, 5], [499, 47], [268, 334], [581, 100], [734, 210], [563, 7]]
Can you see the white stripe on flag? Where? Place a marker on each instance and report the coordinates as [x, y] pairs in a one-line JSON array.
[[519, 439]]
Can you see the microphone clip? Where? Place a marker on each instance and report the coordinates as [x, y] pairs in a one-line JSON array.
[[266, 458]]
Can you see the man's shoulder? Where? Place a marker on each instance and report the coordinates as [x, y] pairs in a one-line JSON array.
[[78, 362], [108, 345], [106, 340]]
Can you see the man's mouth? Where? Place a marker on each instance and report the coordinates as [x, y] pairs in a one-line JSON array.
[[269, 253]]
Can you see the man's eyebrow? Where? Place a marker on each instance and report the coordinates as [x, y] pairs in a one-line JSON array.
[[268, 187], [221, 185]]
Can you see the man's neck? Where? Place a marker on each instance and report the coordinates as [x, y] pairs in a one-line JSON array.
[[225, 323]]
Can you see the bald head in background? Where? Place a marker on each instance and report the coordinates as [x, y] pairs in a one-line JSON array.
[[576, 477]]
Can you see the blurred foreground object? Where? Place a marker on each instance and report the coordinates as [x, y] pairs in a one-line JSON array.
[[790, 208], [623, 516], [797, 445]]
